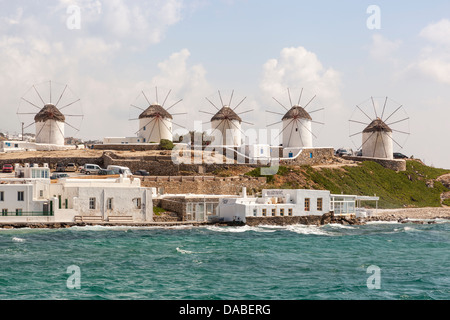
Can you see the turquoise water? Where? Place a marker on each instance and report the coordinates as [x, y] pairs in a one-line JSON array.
[[270, 263]]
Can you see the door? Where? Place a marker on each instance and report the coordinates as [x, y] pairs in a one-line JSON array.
[[45, 209]]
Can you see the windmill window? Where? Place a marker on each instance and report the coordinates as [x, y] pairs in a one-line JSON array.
[[145, 128], [296, 129], [145, 140]]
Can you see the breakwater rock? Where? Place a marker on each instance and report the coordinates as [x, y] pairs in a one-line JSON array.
[[328, 218]]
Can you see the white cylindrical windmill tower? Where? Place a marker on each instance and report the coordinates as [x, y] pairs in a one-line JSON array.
[[377, 140], [50, 125], [226, 128], [297, 128], [155, 124]]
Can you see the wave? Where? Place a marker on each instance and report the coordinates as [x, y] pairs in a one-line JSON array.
[[184, 251], [239, 229], [17, 239], [306, 229]]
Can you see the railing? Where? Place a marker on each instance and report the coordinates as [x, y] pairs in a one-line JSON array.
[[26, 214]]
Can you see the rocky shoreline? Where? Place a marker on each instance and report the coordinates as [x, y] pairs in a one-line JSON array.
[[408, 215]]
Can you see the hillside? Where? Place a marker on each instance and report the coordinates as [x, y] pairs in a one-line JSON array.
[[417, 187]]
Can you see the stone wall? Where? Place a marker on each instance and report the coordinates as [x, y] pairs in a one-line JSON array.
[[313, 156], [204, 185], [52, 161], [396, 164], [126, 147]]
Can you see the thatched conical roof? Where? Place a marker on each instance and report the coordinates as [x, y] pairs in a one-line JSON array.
[[49, 112], [226, 113], [155, 110], [377, 125], [297, 112]]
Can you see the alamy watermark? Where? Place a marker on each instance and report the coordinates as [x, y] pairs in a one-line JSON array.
[[374, 20], [74, 280], [73, 21], [374, 280]]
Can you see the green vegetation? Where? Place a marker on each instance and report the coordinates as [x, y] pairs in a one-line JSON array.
[[282, 171], [415, 187], [166, 144], [446, 202], [158, 210], [409, 188]]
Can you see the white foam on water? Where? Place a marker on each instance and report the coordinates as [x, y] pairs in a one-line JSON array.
[[306, 229], [340, 226], [17, 239], [237, 229], [184, 251]]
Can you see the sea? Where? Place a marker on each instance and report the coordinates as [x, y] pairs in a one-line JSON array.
[[377, 261]]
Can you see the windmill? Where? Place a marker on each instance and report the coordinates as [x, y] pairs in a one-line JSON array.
[[297, 123], [226, 123], [376, 121], [155, 122], [51, 113]]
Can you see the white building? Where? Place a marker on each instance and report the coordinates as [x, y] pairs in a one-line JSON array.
[[287, 203], [35, 198], [21, 146], [377, 140]]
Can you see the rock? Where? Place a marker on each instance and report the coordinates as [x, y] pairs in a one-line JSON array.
[[327, 218]]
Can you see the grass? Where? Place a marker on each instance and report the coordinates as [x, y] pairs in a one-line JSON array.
[[282, 171], [395, 189], [446, 202], [158, 210]]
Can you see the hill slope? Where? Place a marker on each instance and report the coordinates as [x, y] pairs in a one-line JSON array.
[[416, 187]]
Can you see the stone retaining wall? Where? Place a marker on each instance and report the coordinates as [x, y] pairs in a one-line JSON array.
[[204, 185], [126, 147], [314, 156], [396, 164]]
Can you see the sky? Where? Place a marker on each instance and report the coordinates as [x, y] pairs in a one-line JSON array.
[[342, 52]]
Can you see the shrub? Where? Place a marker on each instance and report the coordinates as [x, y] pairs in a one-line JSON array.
[[166, 144]]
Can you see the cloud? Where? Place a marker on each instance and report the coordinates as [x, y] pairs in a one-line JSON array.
[[438, 33], [297, 68], [300, 68], [383, 49], [434, 58]]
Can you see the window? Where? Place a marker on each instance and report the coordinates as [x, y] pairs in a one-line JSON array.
[[282, 212], [20, 195], [137, 203], [319, 204], [4, 212], [290, 212], [18, 212], [255, 211], [144, 128], [41, 193], [109, 204], [2, 196], [307, 204], [92, 203], [274, 212], [264, 212]]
